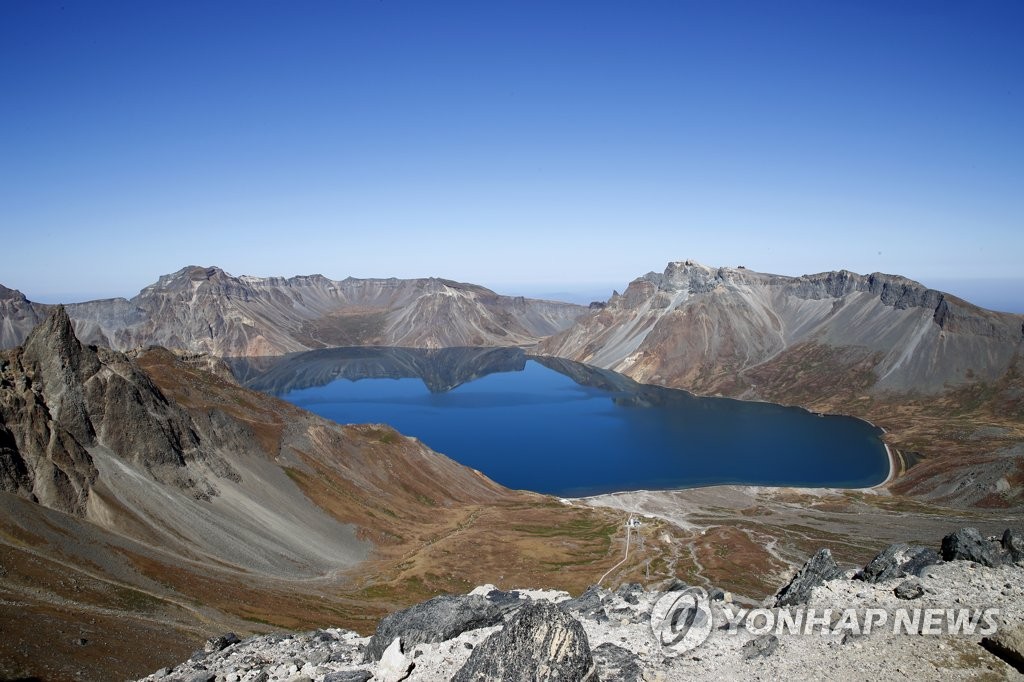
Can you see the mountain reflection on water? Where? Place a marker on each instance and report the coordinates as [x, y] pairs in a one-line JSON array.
[[559, 427]]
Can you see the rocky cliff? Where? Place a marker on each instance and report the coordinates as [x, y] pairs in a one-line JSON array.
[[18, 316], [207, 310], [729, 330]]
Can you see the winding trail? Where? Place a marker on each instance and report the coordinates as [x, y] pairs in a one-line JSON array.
[[629, 531]]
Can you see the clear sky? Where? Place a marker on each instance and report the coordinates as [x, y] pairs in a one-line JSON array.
[[534, 146]]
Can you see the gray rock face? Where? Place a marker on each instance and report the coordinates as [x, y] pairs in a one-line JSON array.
[[629, 592], [58, 398], [590, 604], [1013, 545], [18, 316], [208, 310], [702, 328], [898, 561], [816, 571], [967, 544], [436, 620], [220, 643], [541, 642], [617, 663]]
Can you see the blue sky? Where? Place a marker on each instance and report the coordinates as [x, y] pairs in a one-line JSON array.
[[529, 146]]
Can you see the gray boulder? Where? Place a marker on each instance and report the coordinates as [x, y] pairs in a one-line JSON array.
[[505, 600], [541, 642], [220, 643], [815, 572], [967, 544], [630, 592], [1013, 545], [588, 605], [898, 561], [617, 663], [437, 620]]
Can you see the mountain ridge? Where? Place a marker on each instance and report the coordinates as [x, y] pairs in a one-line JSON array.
[[205, 309], [704, 328]]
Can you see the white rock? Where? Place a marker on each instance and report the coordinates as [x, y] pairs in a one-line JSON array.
[[393, 666]]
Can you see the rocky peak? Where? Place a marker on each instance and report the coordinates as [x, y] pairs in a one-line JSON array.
[[7, 294], [184, 278], [56, 361], [55, 335], [61, 398], [200, 274]]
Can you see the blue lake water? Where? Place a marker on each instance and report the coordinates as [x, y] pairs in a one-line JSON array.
[[558, 427]]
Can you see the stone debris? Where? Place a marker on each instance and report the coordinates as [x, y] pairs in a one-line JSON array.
[[618, 635]]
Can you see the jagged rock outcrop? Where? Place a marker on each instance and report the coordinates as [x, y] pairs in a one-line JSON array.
[[541, 642], [968, 544], [734, 331], [60, 400], [818, 569], [207, 310], [1013, 545], [18, 316], [437, 620], [898, 561]]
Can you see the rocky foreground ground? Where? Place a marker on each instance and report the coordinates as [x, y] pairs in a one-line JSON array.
[[911, 613]]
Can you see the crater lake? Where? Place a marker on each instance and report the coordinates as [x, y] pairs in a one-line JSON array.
[[562, 428]]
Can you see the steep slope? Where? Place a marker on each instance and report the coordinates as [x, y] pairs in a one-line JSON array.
[[18, 316], [140, 493], [208, 310], [708, 329]]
